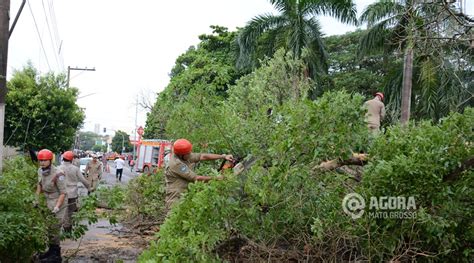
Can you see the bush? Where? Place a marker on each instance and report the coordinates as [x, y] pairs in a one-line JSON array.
[[419, 161], [23, 228], [145, 197]]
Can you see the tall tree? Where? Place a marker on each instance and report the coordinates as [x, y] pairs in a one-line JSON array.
[[295, 29], [121, 142], [208, 67], [41, 111], [87, 140], [349, 72]]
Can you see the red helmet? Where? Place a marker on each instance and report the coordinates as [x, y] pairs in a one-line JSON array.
[[182, 147], [380, 94], [45, 154], [69, 155]]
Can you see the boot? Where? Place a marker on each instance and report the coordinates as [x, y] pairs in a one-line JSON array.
[[55, 256]]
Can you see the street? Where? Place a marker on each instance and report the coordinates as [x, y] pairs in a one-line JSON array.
[[102, 241], [108, 178]]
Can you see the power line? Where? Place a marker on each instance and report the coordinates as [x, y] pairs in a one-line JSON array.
[[51, 36], [54, 22], [39, 35]]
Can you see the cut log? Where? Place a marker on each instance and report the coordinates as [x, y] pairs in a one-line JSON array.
[[356, 159]]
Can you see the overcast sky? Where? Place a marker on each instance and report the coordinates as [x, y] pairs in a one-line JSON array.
[[132, 45]]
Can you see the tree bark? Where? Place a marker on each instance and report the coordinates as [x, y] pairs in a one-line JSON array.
[[407, 85], [4, 35]]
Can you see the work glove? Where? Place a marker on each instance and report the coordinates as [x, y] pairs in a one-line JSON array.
[[56, 209]]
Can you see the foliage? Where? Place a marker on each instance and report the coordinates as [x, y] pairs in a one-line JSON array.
[[121, 142], [41, 111], [23, 228], [86, 213], [295, 29], [99, 148], [87, 140], [265, 197], [350, 72], [145, 197], [207, 68], [112, 198], [194, 224], [283, 206], [417, 162], [441, 82]]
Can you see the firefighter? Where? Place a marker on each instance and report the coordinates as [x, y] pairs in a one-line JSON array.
[[179, 172], [375, 112], [73, 176], [52, 182], [76, 162], [93, 173]]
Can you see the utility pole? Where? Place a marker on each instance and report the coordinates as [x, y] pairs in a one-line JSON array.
[[69, 72], [4, 35]]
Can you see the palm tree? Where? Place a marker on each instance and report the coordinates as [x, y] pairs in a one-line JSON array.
[[409, 26], [295, 28]]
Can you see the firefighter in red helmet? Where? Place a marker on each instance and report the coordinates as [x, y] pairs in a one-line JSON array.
[[52, 182], [179, 172], [73, 176]]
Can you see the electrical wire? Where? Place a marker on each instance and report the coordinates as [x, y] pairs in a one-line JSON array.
[[39, 36], [51, 36], [56, 32]]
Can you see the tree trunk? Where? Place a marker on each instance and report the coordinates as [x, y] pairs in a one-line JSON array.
[[407, 84], [4, 35]]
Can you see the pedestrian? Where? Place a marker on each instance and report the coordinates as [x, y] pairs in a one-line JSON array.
[[375, 113], [104, 163], [52, 182], [119, 164], [179, 172], [73, 176], [93, 173], [132, 163]]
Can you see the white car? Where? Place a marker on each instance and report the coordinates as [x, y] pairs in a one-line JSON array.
[[83, 162]]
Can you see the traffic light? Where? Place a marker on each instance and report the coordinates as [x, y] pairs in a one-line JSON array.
[[105, 130]]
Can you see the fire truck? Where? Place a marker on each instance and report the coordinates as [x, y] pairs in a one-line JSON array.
[[151, 154]]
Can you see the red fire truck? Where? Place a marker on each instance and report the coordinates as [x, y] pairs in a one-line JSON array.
[[151, 154]]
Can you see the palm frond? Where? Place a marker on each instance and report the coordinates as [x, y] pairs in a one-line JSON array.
[[297, 37], [374, 39], [247, 39], [393, 94], [283, 5], [316, 49], [381, 10], [428, 84], [343, 10]]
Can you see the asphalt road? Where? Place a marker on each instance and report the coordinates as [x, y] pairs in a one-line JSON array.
[[108, 178]]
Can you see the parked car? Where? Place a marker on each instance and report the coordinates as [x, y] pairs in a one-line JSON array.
[[83, 162]]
